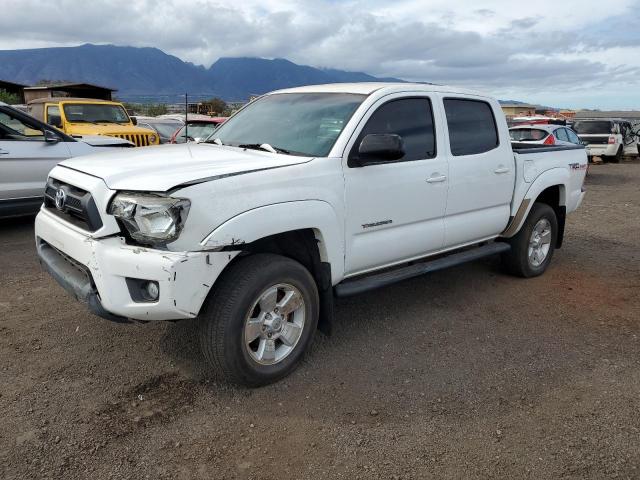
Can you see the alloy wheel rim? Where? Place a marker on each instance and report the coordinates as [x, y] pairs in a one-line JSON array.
[[539, 243], [273, 327]]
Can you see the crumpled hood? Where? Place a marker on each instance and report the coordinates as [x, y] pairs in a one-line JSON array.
[[163, 167]]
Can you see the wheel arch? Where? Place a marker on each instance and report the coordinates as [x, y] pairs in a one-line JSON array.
[[305, 231], [549, 188]]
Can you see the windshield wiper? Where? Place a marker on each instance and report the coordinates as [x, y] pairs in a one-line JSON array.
[[264, 146], [215, 141]]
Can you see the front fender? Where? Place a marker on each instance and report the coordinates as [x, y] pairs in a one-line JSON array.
[[284, 217], [549, 178]]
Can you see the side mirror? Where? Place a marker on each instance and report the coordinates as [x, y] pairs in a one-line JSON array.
[[55, 121], [134, 120], [51, 137], [584, 142], [379, 148]]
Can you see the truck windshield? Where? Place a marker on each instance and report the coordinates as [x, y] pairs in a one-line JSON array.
[[298, 123], [95, 113], [593, 127]]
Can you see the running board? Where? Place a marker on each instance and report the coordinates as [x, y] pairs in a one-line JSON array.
[[373, 281]]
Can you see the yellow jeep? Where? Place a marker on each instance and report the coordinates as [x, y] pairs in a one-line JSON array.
[[87, 116]]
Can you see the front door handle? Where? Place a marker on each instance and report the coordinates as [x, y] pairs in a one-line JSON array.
[[501, 169], [436, 179], [3, 152]]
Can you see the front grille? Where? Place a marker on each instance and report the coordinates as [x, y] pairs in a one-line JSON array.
[[78, 208], [599, 140], [139, 140]]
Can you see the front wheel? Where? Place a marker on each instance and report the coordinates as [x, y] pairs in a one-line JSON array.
[[533, 246], [260, 319]]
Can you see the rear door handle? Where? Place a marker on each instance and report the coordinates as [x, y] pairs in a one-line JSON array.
[[3, 152], [500, 170], [437, 179]]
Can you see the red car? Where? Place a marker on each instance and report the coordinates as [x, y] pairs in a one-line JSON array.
[[197, 129]]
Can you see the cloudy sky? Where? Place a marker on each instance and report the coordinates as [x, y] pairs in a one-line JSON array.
[[569, 53]]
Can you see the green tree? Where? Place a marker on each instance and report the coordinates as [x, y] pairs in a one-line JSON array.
[[10, 98], [216, 106]]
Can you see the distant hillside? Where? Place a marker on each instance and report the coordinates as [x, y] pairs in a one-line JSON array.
[[149, 74]]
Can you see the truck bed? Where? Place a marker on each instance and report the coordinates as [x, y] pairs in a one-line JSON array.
[[523, 148]]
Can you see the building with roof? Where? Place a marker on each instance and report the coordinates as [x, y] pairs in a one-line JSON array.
[[518, 109], [630, 115], [14, 89], [78, 90]]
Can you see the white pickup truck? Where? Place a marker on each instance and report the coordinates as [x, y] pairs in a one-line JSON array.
[[303, 195]]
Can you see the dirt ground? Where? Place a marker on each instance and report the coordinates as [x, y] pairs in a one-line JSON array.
[[467, 373]]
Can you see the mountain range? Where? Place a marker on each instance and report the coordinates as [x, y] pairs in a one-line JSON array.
[[149, 74]]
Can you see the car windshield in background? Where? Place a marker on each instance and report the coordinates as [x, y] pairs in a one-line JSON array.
[[196, 131], [593, 127], [94, 113], [527, 134], [300, 123], [166, 129]]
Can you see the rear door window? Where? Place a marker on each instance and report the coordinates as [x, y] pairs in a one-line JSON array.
[[472, 126], [561, 134]]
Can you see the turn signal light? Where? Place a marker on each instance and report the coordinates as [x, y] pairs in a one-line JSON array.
[[550, 140], [612, 139]]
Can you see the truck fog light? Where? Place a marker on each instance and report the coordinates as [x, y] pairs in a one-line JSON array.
[[151, 290]]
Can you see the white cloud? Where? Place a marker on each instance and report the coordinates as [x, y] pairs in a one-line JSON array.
[[528, 50]]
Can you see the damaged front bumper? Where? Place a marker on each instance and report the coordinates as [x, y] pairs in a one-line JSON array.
[[100, 273]]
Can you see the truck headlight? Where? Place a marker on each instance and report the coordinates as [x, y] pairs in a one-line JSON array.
[[152, 139], [150, 219]]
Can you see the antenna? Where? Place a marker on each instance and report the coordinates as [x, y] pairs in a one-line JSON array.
[[186, 117]]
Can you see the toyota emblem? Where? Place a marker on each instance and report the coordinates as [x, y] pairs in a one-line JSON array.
[[61, 198]]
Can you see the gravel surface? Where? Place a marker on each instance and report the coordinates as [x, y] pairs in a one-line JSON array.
[[467, 373]]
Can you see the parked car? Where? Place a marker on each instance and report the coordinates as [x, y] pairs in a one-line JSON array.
[[29, 149], [544, 135], [610, 139], [164, 127], [197, 130], [85, 116], [347, 188]]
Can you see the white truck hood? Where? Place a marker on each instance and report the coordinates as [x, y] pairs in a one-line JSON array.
[[163, 167]]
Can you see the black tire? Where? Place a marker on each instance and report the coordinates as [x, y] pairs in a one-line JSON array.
[[517, 261], [222, 319], [618, 156]]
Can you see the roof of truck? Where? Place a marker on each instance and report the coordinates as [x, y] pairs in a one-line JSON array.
[[70, 99], [367, 88]]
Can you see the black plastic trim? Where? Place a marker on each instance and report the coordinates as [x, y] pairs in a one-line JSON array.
[[373, 281], [19, 207], [75, 279], [80, 210], [525, 148]]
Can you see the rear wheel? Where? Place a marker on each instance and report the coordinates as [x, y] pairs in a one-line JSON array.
[[618, 156], [260, 319], [533, 246]]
